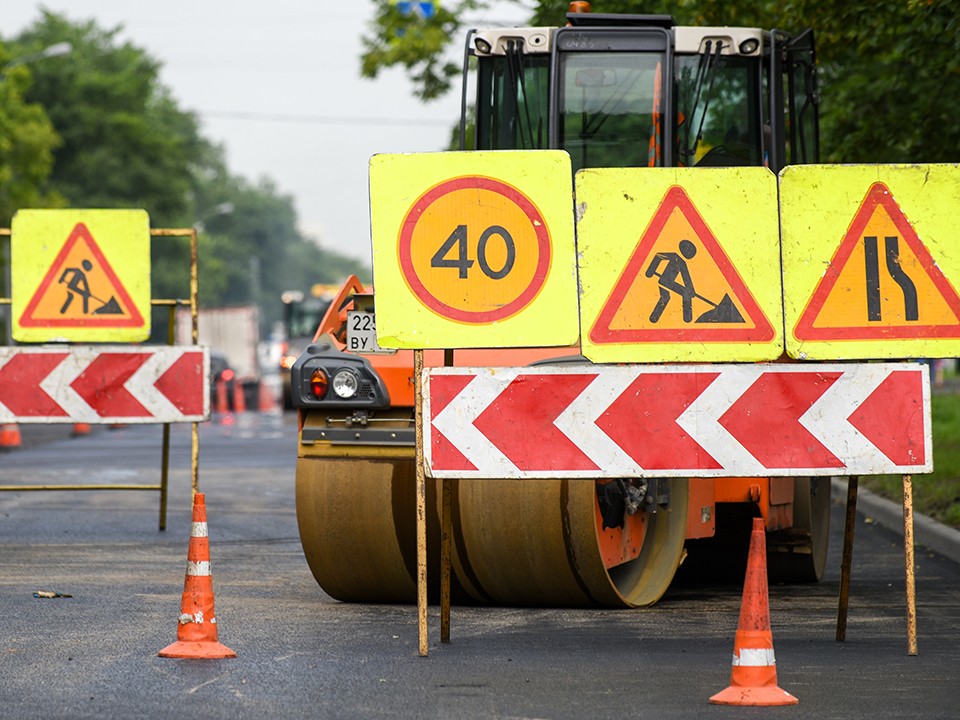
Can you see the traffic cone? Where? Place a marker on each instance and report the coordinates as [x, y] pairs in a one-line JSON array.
[[267, 402], [197, 628], [10, 436], [753, 679], [223, 404], [239, 399]]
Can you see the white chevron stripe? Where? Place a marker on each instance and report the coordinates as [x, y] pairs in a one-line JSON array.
[[57, 385], [141, 383], [455, 421], [578, 421], [701, 421]]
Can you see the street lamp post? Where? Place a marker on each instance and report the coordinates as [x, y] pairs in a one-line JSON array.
[[56, 50]]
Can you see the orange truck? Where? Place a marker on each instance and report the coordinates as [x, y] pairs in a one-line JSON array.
[[734, 97]]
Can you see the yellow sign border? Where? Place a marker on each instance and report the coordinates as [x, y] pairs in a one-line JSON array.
[[398, 182], [819, 203], [37, 238], [615, 206]]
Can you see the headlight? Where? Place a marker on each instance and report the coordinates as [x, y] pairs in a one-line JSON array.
[[345, 384]]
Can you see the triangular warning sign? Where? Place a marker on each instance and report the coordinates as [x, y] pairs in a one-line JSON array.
[[882, 282], [679, 286], [81, 290]]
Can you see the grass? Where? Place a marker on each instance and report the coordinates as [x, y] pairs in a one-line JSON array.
[[937, 494]]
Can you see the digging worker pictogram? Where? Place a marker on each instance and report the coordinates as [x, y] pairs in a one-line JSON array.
[[76, 281], [673, 276]]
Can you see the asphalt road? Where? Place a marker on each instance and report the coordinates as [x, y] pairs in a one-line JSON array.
[[300, 654]]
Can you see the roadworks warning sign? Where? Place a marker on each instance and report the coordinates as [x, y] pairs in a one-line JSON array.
[[81, 275], [678, 264], [869, 264]]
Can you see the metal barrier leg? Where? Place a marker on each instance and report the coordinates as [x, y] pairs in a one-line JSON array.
[[846, 561], [909, 565], [446, 532]]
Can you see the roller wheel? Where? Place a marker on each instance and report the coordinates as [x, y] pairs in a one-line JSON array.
[[799, 555], [357, 528], [540, 543]]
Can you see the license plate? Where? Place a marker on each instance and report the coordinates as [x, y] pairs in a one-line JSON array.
[[362, 333]]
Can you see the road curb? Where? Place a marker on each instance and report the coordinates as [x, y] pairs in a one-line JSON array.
[[926, 531]]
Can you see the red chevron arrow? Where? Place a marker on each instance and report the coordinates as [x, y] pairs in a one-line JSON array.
[[765, 420], [900, 395], [101, 384], [20, 390], [520, 423], [184, 384], [643, 421]]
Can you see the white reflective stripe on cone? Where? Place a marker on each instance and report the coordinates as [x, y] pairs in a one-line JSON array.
[[201, 568], [198, 529], [761, 657]]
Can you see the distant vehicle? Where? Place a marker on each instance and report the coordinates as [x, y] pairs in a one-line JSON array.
[[233, 334]]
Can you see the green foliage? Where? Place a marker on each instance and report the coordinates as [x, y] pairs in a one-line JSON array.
[[937, 494], [27, 142], [888, 67], [417, 44], [124, 143]]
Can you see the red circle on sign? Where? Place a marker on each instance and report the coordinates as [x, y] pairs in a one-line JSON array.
[[419, 287]]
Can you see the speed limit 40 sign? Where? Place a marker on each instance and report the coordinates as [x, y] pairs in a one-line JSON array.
[[473, 249]]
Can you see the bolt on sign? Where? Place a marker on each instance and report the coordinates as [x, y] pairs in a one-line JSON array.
[[80, 275], [870, 267], [473, 249], [679, 264]]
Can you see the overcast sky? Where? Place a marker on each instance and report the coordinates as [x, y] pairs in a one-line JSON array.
[[278, 85]]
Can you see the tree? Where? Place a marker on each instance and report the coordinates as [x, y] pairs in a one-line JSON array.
[[416, 43], [27, 142], [124, 143]]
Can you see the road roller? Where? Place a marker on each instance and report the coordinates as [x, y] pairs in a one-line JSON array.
[[733, 97]]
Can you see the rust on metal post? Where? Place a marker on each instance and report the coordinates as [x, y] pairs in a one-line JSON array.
[[446, 538], [421, 508], [909, 565], [194, 336], [846, 561], [446, 533]]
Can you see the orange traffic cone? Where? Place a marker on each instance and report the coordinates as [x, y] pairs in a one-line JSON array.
[[266, 401], [10, 436], [239, 399], [223, 404], [753, 679], [197, 629]]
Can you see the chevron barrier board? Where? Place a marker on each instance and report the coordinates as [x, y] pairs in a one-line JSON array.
[[594, 421], [104, 384]]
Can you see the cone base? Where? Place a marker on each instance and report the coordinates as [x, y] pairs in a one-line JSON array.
[[767, 695], [206, 649]]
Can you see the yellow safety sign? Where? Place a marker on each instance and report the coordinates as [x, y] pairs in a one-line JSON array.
[[868, 261], [679, 264], [473, 249], [81, 275]]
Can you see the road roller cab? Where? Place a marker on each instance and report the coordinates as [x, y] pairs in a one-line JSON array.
[[611, 90]]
